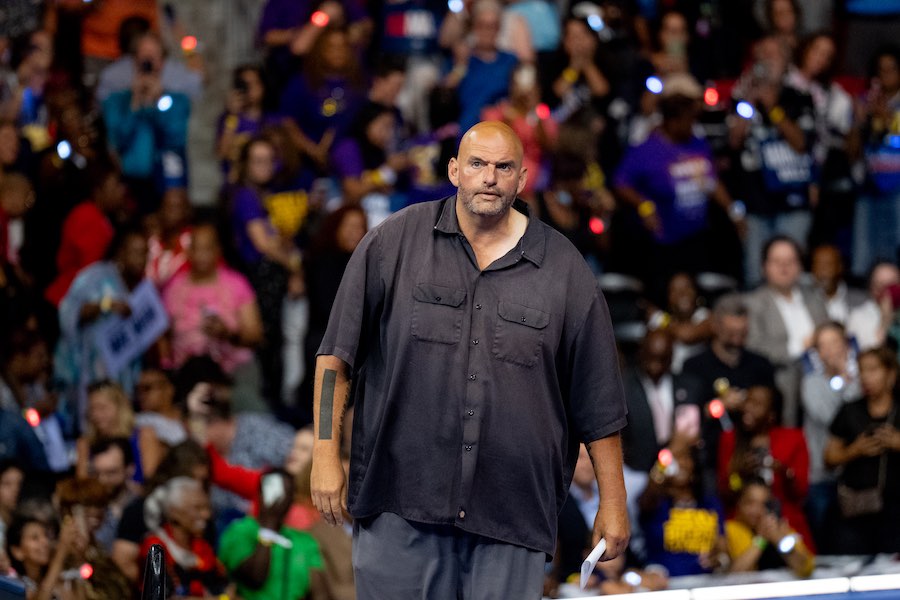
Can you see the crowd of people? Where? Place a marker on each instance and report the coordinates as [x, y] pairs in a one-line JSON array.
[[730, 171]]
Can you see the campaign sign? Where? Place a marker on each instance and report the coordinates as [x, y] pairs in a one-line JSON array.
[[123, 340]]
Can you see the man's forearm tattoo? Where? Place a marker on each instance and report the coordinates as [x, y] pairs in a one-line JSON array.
[[326, 404]]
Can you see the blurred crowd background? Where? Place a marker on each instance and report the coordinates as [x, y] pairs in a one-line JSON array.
[[182, 185]]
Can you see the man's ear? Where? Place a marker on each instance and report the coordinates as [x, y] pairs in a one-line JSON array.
[[523, 179], [453, 171]]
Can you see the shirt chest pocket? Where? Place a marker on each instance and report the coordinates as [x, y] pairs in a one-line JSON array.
[[437, 313], [519, 333]]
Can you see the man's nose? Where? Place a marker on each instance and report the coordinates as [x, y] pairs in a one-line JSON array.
[[490, 175]]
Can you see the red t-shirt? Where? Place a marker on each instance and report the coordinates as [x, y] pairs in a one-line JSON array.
[[86, 235]]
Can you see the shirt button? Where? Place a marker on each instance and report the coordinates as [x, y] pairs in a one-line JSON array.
[[471, 412], [468, 448], [477, 307], [437, 299], [475, 342], [472, 377], [462, 514], [523, 319]]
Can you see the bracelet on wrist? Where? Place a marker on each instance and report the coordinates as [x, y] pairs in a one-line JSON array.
[[760, 542], [570, 75], [646, 209], [777, 115]]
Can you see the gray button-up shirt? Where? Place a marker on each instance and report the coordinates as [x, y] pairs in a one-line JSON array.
[[473, 388]]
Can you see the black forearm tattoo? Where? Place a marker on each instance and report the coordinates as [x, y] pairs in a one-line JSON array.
[[326, 404]]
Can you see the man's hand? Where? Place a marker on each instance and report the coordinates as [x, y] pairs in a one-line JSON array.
[[611, 523], [329, 487]]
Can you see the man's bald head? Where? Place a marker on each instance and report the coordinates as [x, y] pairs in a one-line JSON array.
[[479, 132], [487, 170]]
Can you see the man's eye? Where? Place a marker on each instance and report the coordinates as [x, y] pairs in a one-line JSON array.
[[476, 163]]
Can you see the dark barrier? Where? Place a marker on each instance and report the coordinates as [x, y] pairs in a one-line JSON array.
[[155, 574]]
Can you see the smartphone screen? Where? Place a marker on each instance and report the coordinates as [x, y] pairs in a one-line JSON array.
[[687, 420], [272, 488]]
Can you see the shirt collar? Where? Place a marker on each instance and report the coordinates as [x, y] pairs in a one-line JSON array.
[[532, 245]]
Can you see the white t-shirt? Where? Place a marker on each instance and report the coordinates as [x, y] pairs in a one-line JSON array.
[[797, 320]]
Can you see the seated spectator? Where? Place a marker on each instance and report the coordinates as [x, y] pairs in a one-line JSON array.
[[660, 404], [832, 382], [147, 127], [109, 416], [759, 447], [481, 72], [243, 117], [84, 501], [39, 563], [773, 154], [117, 76], [187, 459], [88, 230], [11, 477], [268, 558], [177, 514], [212, 308], [169, 237], [101, 26], [16, 198], [783, 317], [865, 443], [322, 99], [288, 32], [869, 323], [571, 207], [160, 421], [368, 166], [112, 463], [20, 443], [532, 122], [685, 318], [828, 271], [25, 381], [269, 259], [684, 527], [572, 79], [31, 56], [671, 53], [669, 180], [99, 292], [760, 538], [876, 222]]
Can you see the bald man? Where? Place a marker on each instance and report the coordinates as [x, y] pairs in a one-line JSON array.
[[481, 355]]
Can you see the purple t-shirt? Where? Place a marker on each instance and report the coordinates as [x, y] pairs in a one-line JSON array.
[[330, 106], [346, 159], [247, 206], [678, 178]]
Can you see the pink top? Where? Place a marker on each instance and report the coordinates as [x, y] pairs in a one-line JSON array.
[[188, 303]]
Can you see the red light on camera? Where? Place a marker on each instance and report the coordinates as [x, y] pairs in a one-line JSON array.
[[189, 43], [665, 457], [86, 571], [319, 18], [711, 96], [597, 225], [33, 417], [542, 111], [716, 409]]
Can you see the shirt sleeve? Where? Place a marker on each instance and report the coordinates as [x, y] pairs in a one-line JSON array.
[[247, 207], [840, 426], [628, 171], [358, 300], [597, 395], [238, 542]]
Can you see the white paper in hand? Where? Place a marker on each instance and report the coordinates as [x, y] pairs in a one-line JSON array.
[[587, 567]]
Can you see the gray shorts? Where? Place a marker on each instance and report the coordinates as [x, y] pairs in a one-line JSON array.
[[394, 558]]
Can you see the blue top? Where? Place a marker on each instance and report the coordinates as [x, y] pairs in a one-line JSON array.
[[484, 84], [543, 22], [873, 7], [678, 178], [411, 26], [676, 537], [142, 137]]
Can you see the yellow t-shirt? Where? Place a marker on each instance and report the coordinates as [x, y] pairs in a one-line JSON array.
[[738, 536]]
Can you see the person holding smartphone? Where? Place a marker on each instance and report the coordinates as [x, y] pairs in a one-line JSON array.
[[268, 559]]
